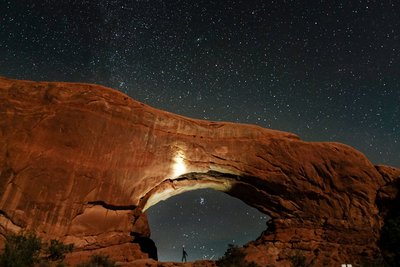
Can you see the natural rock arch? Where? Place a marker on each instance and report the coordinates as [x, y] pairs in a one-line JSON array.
[[79, 161], [167, 238]]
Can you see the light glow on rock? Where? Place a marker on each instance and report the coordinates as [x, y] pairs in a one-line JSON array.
[[179, 166]]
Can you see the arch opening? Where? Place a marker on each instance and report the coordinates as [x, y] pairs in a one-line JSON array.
[[191, 211]]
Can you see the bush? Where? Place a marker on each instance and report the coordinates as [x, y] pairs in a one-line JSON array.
[[56, 250], [21, 250], [298, 260], [234, 257], [98, 261], [26, 250]]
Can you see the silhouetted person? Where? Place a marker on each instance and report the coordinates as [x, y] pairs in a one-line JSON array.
[[184, 254]]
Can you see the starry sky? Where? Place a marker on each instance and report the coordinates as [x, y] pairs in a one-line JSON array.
[[325, 70], [195, 222]]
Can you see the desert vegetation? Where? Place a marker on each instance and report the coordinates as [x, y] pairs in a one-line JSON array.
[[28, 250], [234, 257]]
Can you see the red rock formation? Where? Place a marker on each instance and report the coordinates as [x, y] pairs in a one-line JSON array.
[[80, 163]]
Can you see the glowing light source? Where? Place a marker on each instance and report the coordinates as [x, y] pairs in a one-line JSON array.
[[179, 166]]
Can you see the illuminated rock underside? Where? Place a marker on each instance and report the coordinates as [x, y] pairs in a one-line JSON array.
[[80, 163]]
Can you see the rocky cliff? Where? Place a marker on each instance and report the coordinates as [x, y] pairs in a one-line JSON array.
[[81, 163]]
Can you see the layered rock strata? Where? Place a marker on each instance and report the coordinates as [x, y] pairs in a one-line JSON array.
[[81, 163]]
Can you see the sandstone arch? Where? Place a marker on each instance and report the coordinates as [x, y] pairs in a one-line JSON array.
[[79, 161], [198, 222]]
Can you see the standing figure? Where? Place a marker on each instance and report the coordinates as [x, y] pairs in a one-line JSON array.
[[184, 254]]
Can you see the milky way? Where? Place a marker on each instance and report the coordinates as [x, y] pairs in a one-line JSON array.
[[327, 72]]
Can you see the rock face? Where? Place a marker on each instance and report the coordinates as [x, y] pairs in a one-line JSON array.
[[81, 163]]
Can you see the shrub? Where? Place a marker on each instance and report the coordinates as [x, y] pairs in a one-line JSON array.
[[21, 250], [27, 249], [56, 250], [298, 260], [234, 257]]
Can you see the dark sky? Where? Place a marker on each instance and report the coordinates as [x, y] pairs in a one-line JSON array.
[[325, 70], [205, 222]]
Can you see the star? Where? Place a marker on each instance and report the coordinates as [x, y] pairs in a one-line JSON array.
[[324, 72], [202, 201]]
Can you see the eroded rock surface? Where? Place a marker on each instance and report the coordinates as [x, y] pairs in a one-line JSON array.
[[80, 163]]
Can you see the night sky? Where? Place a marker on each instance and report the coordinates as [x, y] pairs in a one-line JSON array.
[[325, 70], [205, 222]]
